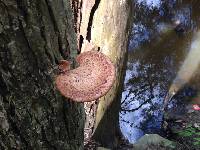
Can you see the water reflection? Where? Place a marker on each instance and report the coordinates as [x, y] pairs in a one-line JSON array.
[[150, 3], [157, 49]]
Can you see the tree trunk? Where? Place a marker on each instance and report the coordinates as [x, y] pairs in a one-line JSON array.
[[110, 31], [34, 36], [106, 24]]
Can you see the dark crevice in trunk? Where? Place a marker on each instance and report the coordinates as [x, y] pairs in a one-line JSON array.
[[81, 3], [80, 42], [23, 10], [10, 82], [3, 87], [76, 7], [27, 42], [65, 117], [11, 113], [60, 47], [56, 29], [94, 8], [46, 140], [1, 146], [50, 10], [42, 31]]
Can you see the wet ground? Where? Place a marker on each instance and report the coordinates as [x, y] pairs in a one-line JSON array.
[[161, 38]]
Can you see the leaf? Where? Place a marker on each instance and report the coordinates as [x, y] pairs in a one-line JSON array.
[[197, 139], [185, 133], [197, 133], [196, 143], [193, 130]]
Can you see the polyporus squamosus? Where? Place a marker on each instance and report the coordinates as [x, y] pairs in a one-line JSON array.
[[91, 80]]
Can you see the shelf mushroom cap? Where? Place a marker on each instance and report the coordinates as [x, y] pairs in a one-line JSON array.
[[91, 80]]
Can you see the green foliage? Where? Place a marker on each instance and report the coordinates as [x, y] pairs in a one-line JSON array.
[[191, 133]]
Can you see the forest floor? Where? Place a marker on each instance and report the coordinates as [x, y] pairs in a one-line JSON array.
[[183, 123]]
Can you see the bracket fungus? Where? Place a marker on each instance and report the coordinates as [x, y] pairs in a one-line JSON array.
[[91, 80]]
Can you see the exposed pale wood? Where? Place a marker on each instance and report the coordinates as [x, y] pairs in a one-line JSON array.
[[110, 31]]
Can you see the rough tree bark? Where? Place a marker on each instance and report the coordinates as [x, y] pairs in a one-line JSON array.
[[34, 36]]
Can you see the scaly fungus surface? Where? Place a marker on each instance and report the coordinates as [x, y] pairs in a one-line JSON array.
[[91, 80]]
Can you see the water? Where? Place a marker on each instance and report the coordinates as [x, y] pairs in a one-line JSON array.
[[187, 70], [157, 49]]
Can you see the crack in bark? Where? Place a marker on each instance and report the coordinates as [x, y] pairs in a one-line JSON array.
[[22, 9], [3, 87], [65, 118], [76, 6], [82, 34], [46, 140], [27, 41], [42, 31], [52, 16], [94, 8], [55, 25], [13, 125]]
